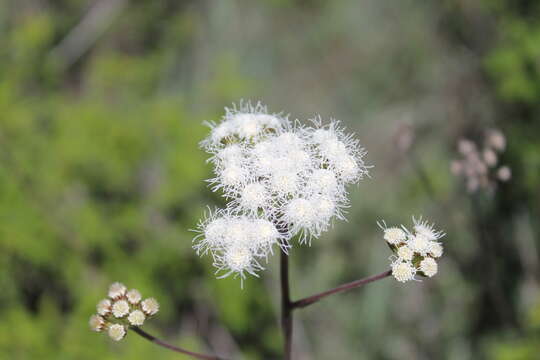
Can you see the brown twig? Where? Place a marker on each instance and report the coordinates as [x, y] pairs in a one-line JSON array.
[[348, 286], [161, 343]]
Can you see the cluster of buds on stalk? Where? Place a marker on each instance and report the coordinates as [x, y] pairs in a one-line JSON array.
[[121, 309], [281, 179], [479, 165], [415, 253]]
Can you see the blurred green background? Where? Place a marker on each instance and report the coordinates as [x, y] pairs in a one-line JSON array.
[[101, 104]]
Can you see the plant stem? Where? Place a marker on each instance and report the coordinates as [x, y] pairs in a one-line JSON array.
[[156, 341], [286, 307], [351, 285]]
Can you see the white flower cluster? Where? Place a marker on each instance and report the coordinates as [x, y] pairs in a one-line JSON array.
[[415, 252], [120, 310], [280, 178]]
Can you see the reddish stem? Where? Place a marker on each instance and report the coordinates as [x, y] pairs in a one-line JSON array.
[[156, 341], [354, 284]]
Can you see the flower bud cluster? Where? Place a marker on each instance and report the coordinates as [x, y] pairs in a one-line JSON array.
[[479, 165], [280, 178], [415, 253], [121, 309]]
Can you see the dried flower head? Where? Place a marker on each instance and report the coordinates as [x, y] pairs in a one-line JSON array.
[[121, 309]]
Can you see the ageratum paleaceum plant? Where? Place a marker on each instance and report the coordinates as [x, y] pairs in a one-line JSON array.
[[285, 183]]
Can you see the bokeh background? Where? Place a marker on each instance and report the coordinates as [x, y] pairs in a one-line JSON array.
[[101, 177]]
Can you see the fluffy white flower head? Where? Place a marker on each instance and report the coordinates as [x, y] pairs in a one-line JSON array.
[[136, 318], [133, 296], [280, 179], [120, 308], [253, 197], [405, 253], [403, 271], [427, 230], [419, 243], [104, 307], [238, 259], [428, 266], [96, 323], [117, 290], [117, 332], [150, 306], [394, 235]]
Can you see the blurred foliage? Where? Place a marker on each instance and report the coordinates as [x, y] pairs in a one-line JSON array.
[[101, 177]]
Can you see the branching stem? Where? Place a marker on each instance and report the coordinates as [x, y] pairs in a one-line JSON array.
[[348, 286]]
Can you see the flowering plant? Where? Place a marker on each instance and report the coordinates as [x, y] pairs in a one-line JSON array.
[[282, 181]]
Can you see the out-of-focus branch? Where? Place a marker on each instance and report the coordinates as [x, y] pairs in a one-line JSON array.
[[81, 38]]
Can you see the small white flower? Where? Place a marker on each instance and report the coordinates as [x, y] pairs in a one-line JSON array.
[[230, 155], [405, 253], [427, 230], [104, 307], [323, 181], [211, 232], [324, 207], [284, 183], [238, 258], [150, 306], [117, 332], [428, 266], [117, 290], [233, 175], [419, 243], [247, 126], [322, 135], [238, 232], [253, 197], [120, 308], [393, 235], [97, 323], [136, 318], [435, 249], [403, 271], [265, 235], [300, 213], [348, 169], [134, 296]]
